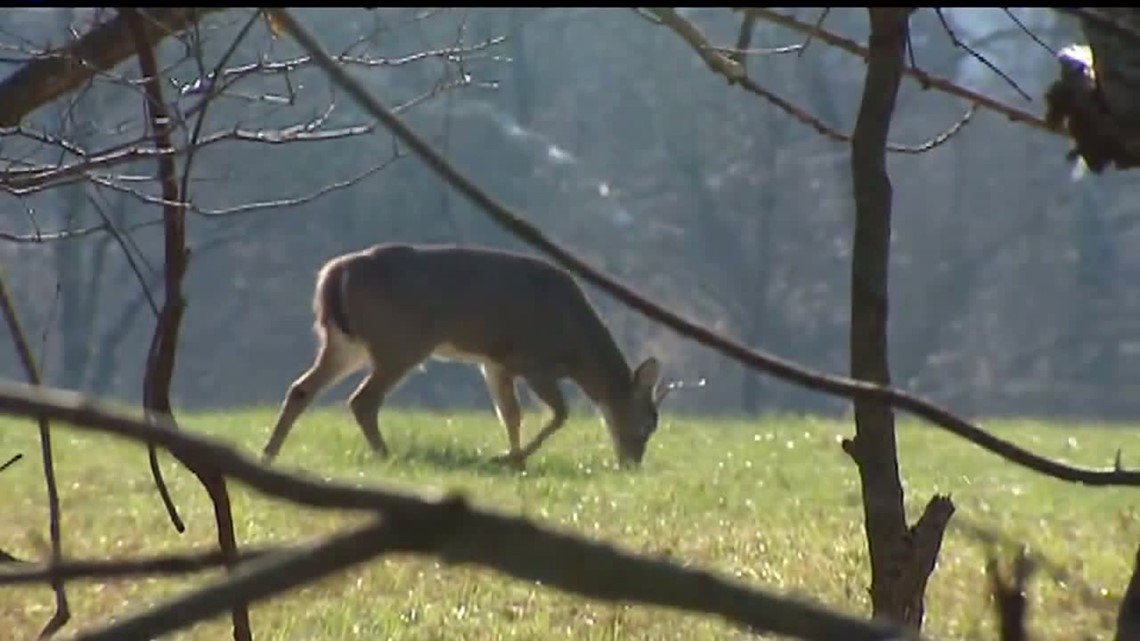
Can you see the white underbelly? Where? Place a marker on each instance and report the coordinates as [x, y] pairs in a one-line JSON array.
[[447, 352]]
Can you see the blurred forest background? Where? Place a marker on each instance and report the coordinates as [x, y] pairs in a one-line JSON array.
[[1010, 271]]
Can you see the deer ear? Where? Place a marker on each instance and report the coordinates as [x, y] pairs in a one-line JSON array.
[[647, 374]]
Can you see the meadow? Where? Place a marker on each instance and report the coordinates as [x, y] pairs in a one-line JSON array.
[[773, 502]]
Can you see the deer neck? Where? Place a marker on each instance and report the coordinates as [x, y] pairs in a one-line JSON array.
[[607, 381]]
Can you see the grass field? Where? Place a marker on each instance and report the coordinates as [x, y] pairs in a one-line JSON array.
[[772, 502]]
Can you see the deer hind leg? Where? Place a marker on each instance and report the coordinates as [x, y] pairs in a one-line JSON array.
[[547, 390], [501, 384], [369, 396], [337, 358]]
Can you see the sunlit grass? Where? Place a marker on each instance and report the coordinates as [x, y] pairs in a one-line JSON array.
[[772, 502]]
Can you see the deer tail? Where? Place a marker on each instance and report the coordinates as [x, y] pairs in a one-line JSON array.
[[328, 303]]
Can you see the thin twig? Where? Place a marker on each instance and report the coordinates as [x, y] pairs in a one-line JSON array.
[[52, 311], [744, 41], [120, 239], [1029, 32], [977, 55], [787, 370], [19, 340], [818, 25], [279, 204], [10, 462]]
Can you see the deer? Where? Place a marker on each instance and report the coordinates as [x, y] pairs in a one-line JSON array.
[[393, 306]]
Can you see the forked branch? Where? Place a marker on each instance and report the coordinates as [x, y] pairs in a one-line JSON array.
[[781, 368]]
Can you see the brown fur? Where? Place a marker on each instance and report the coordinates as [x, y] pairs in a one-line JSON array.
[[393, 306]]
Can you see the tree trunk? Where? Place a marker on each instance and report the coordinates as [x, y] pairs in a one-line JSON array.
[[902, 558]]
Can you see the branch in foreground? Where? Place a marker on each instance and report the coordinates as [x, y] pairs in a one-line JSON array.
[[927, 80], [443, 526], [45, 79], [732, 68], [7, 464], [108, 569], [787, 370]]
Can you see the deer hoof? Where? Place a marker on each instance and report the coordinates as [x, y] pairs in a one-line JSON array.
[[514, 460]]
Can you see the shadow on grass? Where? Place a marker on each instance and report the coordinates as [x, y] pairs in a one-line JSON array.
[[461, 459]]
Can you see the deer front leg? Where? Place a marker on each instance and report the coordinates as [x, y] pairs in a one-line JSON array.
[[334, 361], [548, 392]]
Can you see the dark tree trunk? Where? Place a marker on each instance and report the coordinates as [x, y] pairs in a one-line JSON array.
[[164, 347], [902, 558]]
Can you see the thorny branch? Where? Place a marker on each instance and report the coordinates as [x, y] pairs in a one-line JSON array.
[[20, 341], [442, 526], [732, 68], [787, 370]]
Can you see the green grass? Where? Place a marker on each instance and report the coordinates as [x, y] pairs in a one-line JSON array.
[[773, 502]]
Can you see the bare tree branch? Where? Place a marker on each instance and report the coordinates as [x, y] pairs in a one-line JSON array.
[[277, 204], [20, 341], [443, 525], [1027, 31], [46, 78], [155, 109], [763, 361], [734, 71], [927, 80], [977, 55]]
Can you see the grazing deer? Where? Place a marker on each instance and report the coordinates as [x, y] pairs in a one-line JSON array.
[[393, 306]]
